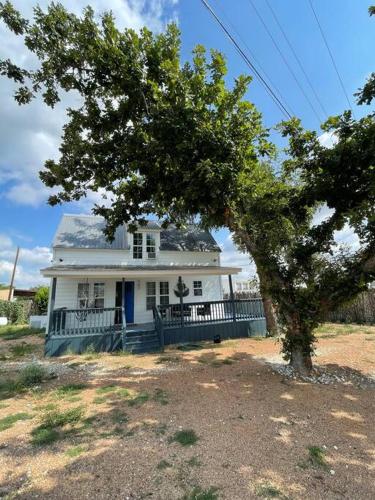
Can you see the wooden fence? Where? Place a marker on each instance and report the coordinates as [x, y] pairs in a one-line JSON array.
[[361, 310]]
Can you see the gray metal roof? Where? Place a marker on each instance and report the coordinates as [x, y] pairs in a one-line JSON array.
[[87, 231]]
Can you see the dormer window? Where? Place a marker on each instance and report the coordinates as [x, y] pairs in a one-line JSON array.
[[150, 246], [137, 246]]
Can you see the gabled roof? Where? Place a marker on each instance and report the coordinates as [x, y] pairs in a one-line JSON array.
[[86, 231]]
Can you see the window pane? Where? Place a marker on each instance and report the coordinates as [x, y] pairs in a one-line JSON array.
[[99, 303], [150, 303], [150, 246], [83, 290], [164, 288], [197, 291], [151, 288], [197, 285], [137, 245], [98, 290], [164, 300]]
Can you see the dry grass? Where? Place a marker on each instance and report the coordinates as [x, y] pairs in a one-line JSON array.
[[199, 423]]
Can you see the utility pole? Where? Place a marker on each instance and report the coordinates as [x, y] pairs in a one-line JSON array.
[[13, 274]]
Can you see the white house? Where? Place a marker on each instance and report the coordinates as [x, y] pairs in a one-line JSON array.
[[97, 287]]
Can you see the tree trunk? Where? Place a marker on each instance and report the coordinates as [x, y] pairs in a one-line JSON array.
[[298, 344], [270, 315], [300, 360]]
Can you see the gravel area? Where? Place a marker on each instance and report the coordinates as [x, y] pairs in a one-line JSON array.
[[256, 425]]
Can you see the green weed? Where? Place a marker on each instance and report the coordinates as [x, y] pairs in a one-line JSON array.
[[185, 437], [10, 420], [163, 464], [42, 436], [267, 490], [32, 375], [317, 457], [75, 451], [200, 494], [161, 396], [139, 399], [21, 350]]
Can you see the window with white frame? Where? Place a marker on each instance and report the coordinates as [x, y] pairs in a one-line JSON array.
[[98, 295], [151, 246], [83, 295], [164, 292], [137, 246], [150, 295], [197, 287]]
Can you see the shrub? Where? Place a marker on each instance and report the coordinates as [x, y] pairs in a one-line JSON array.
[[31, 375], [54, 418], [41, 300], [41, 436], [185, 437], [13, 311]]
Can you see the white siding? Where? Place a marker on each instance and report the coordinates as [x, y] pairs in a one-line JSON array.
[[68, 256], [66, 292]]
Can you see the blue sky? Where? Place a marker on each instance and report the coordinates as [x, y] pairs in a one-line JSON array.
[[30, 135]]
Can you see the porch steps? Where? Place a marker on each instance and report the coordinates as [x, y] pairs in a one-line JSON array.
[[141, 342]]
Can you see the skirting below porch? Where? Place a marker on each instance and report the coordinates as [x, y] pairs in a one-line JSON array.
[[115, 341]]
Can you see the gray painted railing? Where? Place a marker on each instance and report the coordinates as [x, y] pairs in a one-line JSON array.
[[71, 322], [218, 311]]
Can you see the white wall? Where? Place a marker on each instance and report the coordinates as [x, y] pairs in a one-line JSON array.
[[93, 256], [66, 292]]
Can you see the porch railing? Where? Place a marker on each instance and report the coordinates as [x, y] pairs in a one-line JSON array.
[[193, 313], [70, 322]]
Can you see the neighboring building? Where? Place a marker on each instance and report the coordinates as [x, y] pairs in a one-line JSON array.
[[97, 286]]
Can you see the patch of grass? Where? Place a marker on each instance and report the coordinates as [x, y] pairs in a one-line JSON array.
[[139, 399], [9, 388], [163, 464], [317, 457], [227, 361], [3, 406], [167, 358], [42, 436], [267, 490], [194, 462], [55, 418], [123, 393], [106, 389], [13, 332], [186, 437], [161, 396], [32, 374], [198, 493], [20, 350], [99, 400], [68, 390], [47, 407], [75, 451], [10, 420], [90, 352]]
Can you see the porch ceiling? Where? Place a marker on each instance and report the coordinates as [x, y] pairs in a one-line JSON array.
[[136, 271]]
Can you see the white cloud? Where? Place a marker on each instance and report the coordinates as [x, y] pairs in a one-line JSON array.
[[232, 257], [30, 261], [327, 139], [29, 135]]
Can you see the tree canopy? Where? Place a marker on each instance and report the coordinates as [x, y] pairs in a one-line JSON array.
[[160, 137]]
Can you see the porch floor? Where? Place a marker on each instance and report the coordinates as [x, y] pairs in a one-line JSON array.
[[140, 327]]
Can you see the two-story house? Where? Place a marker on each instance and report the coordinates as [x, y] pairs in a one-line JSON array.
[[100, 287]]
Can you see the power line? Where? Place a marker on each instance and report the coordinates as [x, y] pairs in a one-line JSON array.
[[285, 60], [272, 84], [331, 55], [297, 58], [278, 102]]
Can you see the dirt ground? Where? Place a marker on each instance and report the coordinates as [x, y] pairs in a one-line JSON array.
[[259, 434]]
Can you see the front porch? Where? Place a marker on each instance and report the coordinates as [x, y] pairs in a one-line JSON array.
[[105, 329]]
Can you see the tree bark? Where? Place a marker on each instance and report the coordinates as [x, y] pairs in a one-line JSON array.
[[270, 315], [300, 360]]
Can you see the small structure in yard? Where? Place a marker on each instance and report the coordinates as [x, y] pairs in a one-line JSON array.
[[120, 295]]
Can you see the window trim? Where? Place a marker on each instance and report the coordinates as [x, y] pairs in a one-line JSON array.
[[83, 297], [137, 247], [162, 296], [99, 297], [150, 295], [198, 288], [151, 254]]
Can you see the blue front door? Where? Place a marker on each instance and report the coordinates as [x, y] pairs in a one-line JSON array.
[[129, 301]]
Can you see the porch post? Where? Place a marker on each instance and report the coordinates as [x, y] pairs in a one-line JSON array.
[[51, 305], [232, 297], [181, 301], [123, 306]]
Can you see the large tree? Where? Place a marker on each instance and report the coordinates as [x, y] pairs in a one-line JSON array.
[[173, 140]]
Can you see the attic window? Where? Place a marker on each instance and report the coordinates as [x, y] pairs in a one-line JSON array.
[[150, 246], [137, 246]]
